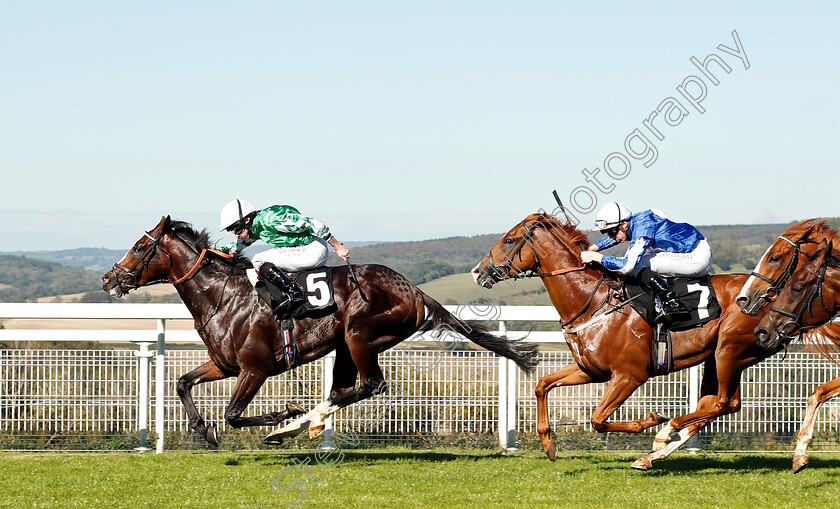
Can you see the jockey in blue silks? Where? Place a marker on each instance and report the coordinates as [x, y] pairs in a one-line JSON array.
[[659, 245]]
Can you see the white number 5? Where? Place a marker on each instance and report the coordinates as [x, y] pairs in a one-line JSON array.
[[318, 292]]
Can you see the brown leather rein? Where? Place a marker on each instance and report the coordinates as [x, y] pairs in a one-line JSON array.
[[198, 263]]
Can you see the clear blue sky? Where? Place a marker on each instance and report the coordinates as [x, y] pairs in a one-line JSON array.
[[406, 121]]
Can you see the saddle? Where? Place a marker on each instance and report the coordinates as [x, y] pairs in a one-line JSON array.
[[697, 294], [319, 300], [317, 287]]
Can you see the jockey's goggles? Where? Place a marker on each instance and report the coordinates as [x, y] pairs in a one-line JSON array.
[[237, 227], [610, 232]]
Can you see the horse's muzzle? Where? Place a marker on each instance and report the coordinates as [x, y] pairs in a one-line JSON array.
[[750, 306], [114, 284], [482, 277]]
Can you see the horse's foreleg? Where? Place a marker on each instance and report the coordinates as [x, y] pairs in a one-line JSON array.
[[569, 375], [207, 372], [820, 395]]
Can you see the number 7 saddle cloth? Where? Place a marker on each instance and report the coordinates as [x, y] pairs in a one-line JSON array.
[[697, 294]]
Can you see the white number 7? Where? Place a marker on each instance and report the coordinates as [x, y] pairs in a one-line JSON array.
[[703, 305]]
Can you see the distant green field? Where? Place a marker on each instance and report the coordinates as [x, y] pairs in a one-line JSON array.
[[398, 478], [460, 289]]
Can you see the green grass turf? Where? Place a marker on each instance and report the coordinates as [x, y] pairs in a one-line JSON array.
[[411, 478]]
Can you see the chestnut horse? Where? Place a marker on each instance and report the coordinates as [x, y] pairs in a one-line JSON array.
[[617, 347], [810, 300], [243, 337], [769, 277]]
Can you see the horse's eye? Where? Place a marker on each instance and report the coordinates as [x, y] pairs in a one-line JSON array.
[[796, 289], [774, 259], [138, 248], [508, 241]]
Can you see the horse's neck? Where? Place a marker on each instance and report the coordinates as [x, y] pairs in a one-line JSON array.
[[202, 291], [569, 292], [832, 282]]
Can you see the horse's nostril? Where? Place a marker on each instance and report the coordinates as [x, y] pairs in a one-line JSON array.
[[761, 334]]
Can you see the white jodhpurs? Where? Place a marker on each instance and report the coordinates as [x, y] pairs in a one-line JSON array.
[[294, 258], [697, 263]]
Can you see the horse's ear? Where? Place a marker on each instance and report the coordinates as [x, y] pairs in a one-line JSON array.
[[165, 224]]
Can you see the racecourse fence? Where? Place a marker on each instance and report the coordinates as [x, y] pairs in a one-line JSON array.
[[440, 393]]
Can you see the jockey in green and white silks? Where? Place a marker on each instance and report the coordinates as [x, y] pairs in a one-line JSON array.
[[297, 242]]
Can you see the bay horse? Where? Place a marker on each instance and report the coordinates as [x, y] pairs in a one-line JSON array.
[[617, 347], [810, 300], [243, 336], [770, 276]]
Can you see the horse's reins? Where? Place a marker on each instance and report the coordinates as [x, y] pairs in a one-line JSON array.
[[198, 263], [147, 257]]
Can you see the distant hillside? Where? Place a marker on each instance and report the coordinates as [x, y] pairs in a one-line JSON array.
[[425, 260], [31, 275], [97, 259], [24, 279]]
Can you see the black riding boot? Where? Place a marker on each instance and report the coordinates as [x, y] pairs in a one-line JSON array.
[[288, 292], [672, 308]]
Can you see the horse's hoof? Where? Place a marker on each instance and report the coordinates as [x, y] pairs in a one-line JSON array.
[[293, 409], [551, 450], [273, 440], [642, 464], [314, 431], [211, 435], [659, 418], [800, 462]]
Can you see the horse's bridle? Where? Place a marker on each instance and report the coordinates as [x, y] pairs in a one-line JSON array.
[[779, 282], [128, 277], [796, 315], [504, 269]]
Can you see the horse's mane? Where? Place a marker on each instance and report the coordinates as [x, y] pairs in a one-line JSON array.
[[825, 340], [570, 232], [201, 240], [813, 230]]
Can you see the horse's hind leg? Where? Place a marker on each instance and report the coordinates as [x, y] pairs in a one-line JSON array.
[[820, 395], [207, 372], [361, 359]]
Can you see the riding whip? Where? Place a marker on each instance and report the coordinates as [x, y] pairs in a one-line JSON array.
[[355, 280]]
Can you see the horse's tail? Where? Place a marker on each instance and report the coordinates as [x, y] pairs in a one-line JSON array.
[[439, 319]]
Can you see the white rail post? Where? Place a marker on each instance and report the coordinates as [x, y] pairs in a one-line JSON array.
[[513, 390], [693, 399], [160, 385], [328, 363], [143, 357], [503, 395]]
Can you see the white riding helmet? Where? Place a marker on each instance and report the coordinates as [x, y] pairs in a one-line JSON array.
[[611, 215], [233, 212]]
